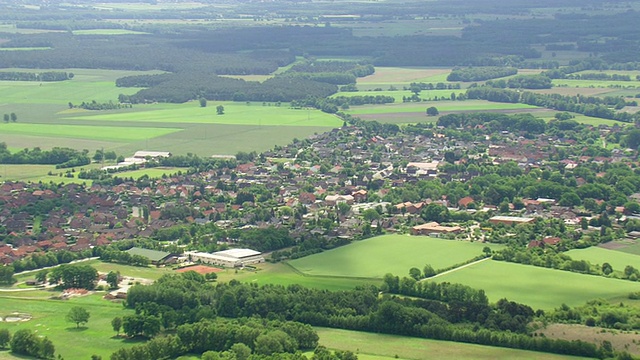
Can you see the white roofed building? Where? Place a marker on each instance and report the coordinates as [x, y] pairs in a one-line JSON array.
[[227, 258]]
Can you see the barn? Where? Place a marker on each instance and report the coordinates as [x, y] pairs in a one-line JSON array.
[[227, 258]]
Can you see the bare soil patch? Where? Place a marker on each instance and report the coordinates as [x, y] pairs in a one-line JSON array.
[[400, 75], [200, 269], [621, 340]]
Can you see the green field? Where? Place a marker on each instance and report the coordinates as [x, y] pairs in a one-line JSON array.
[[396, 254], [282, 274], [150, 172], [104, 133], [234, 114], [442, 106], [595, 83], [538, 287], [381, 347], [97, 337], [631, 249], [597, 255]]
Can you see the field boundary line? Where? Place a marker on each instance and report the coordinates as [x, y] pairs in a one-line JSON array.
[[330, 276], [456, 269]]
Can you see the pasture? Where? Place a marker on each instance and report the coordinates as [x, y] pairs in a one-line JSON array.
[[381, 347], [396, 254], [442, 106], [597, 256], [540, 288], [108, 32], [48, 319]]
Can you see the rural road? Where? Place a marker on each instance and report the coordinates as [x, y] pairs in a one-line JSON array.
[[456, 269]]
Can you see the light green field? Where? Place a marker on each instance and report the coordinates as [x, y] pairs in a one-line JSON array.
[[150, 172], [106, 133], [593, 121], [24, 48], [234, 114], [468, 105], [538, 287], [597, 255], [396, 254], [381, 347], [97, 337], [108, 32], [283, 274]]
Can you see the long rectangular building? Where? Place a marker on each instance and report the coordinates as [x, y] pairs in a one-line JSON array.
[[227, 258]]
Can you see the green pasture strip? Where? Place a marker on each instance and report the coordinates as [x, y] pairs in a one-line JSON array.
[[396, 254], [282, 274], [382, 346], [97, 337], [40, 173], [594, 121], [594, 83], [150, 172], [468, 105], [234, 114], [597, 256], [107, 133], [540, 288], [59, 92], [631, 73], [108, 32]]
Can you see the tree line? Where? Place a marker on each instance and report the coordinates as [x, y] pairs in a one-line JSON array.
[[61, 157], [470, 74], [33, 76]]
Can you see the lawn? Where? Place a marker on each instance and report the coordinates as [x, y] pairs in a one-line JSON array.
[[380, 346], [396, 254], [597, 255], [540, 288], [97, 337], [150, 172]]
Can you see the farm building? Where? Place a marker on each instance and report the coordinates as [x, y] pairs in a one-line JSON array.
[[227, 258], [433, 227], [510, 220], [156, 257]]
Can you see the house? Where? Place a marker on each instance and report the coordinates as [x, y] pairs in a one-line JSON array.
[[465, 201]]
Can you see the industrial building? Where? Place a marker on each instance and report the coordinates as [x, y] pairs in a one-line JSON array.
[[227, 258]]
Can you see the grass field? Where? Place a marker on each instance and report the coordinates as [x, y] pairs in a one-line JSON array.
[[396, 254], [598, 255], [631, 249], [442, 106], [103, 133], [97, 337], [538, 287], [381, 347], [405, 75], [595, 83], [150, 172]]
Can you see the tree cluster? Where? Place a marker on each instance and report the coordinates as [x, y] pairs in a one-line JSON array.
[[61, 157], [74, 276], [26, 342], [470, 74], [33, 76]]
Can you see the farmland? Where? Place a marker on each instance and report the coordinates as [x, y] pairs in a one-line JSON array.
[[381, 346], [597, 255], [538, 287], [373, 258]]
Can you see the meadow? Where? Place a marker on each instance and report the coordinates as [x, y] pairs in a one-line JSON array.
[[108, 32], [442, 106], [48, 319], [597, 256], [540, 288], [381, 347], [396, 254]]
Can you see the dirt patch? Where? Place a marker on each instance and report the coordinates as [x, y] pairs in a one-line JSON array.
[[621, 340], [200, 269], [400, 75], [617, 245], [15, 317]]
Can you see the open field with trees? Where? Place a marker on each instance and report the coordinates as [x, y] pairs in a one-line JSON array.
[[538, 287], [597, 255], [396, 254]]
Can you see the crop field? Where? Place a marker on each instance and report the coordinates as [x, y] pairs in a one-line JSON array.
[[382, 346], [442, 106], [40, 173], [595, 83], [48, 319], [396, 254], [396, 76], [104, 133], [597, 255], [540, 288]]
